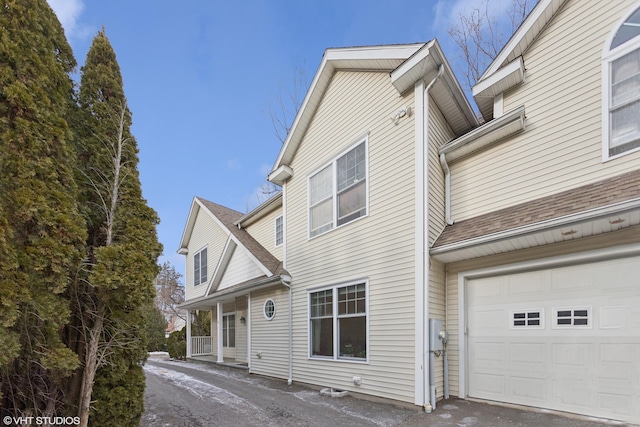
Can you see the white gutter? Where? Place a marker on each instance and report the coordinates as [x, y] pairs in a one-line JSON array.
[[425, 233]]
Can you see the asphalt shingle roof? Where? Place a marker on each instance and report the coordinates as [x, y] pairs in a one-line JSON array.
[[599, 194]]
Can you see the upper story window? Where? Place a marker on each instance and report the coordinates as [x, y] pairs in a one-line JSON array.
[[200, 267], [279, 230], [621, 103], [338, 191]]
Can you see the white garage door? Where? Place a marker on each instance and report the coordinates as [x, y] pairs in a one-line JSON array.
[[565, 339]]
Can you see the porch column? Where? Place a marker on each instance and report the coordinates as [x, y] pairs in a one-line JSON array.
[[188, 333], [220, 349], [211, 329]]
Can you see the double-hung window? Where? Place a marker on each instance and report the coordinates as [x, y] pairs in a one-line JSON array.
[[621, 102], [200, 267], [338, 191], [338, 322]]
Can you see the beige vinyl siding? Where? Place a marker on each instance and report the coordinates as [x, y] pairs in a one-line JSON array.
[[241, 330], [378, 247], [270, 338], [206, 233], [240, 269], [264, 231], [562, 94], [229, 308], [622, 237], [439, 134], [437, 311]]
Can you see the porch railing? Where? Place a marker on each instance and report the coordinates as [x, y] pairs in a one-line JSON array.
[[201, 346]]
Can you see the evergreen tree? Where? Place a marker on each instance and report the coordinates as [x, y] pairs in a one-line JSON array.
[[122, 250], [41, 231]]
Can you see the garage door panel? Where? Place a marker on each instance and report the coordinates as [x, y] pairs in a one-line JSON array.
[[587, 366]]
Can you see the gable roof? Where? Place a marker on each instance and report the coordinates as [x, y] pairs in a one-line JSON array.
[[420, 60], [515, 47], [603, 206], [226, 218]]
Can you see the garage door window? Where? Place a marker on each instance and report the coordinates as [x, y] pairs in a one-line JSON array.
[[572, 317], [527, 319]]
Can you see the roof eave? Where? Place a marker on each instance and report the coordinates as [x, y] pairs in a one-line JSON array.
[[524, 36], [490, 244], [353, 58]]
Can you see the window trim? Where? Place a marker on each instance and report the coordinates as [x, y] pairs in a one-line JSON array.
[[199, 255], [275, 230], [608, 57], [573, 317], [526, 319], [264, 309], [335, 316], [334, 190]]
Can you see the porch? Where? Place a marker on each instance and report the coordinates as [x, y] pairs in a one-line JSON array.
[[229, 363]]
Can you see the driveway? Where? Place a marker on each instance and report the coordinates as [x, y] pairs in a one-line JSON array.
[[193, 394]]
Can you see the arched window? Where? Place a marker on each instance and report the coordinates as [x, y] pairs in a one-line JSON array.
[[621, 94]]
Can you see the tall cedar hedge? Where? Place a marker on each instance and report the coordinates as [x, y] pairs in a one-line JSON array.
[[52, 243]]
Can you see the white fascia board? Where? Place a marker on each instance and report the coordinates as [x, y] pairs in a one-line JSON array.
[[500, 81], [188, 227], [413, 69], [354, 58], [563, 221], [223, 263], [485, 135], [525, 34], [280, 175], [265, 207]]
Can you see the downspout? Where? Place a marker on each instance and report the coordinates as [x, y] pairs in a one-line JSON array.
[[425, 237], [447, 188], [286, 281]]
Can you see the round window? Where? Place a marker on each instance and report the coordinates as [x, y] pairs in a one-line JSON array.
[[269, 309]]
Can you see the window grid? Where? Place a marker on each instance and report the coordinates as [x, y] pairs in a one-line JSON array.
[[338, 192], [527, 319], [338, 323], [200, 267], [621, 91], [573, 317]]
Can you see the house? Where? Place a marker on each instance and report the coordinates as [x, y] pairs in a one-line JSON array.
[[327, 283], [542, 246], [415, 253]]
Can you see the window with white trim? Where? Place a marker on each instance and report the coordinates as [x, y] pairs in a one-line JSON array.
[[269, 309], [621, 94], [200, 267], [229, 330], [279, 230], [572, 317], [338, 322], [338, 192], [527, 319]]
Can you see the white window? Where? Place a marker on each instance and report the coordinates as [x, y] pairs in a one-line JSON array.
[[200, 267], [269, 309], [338, 191], [338, 322], [572, 318], [621, 89], [229, 330], [527, 319], [279, 230]]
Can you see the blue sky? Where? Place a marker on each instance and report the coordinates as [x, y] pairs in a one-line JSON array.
[[200, 77]]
